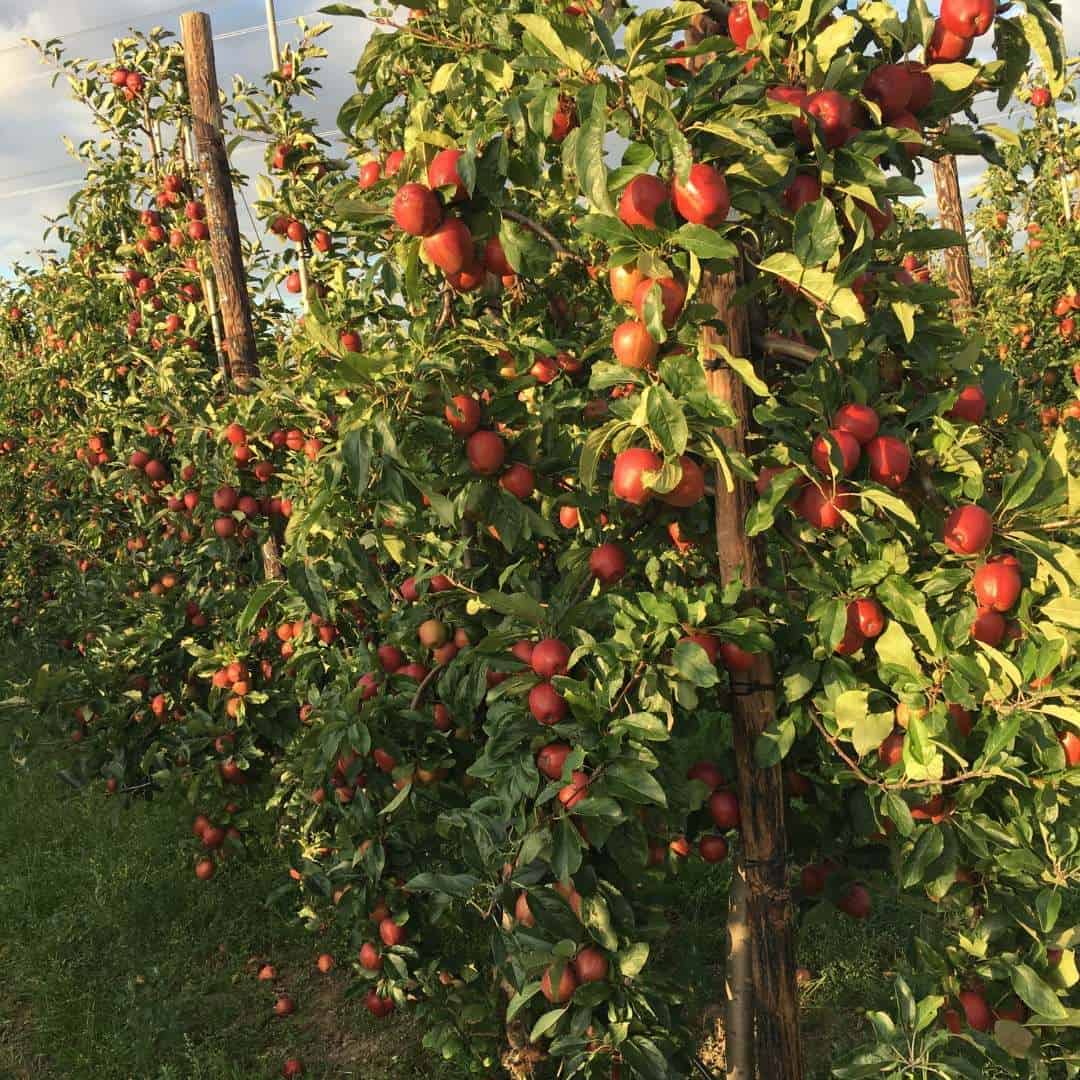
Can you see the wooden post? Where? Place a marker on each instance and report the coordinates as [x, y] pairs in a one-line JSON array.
[[271, 30], [738, 984], [233, 300], [957, 259], [769, 912]]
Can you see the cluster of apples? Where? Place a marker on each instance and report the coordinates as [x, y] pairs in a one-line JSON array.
[[959, 23], [130, 83], [855, 901], [702, 200], [212, 838], [447, 241], [95, 452]]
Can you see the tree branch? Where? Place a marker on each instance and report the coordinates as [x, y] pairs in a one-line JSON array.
[[549, 238]]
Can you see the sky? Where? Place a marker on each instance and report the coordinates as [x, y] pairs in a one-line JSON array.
[[36, 174]]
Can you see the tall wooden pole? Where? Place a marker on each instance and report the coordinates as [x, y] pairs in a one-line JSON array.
[[232, 299], [762, 1014], [957, 259], [769, 912], [213, 163]]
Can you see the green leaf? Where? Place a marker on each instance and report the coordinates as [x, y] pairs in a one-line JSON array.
[[554, 42], [634, 781], [817, 234], [1035, 994], [566, 850], [894, 647], [640, 725], [519, 605], [589, 150], [259, 598], [306, 581], [927, 848], [1048, 907], [704, 242], [819, 284], [356, 450], [632, 959], [547, 1022], [666, 420], [774, 743], [1013, 1038], [521, 999], [955, 77], [460, 885], [851, 708], [692, 663], [870, 730]]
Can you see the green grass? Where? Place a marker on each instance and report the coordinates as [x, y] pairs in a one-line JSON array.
[[115, 962]]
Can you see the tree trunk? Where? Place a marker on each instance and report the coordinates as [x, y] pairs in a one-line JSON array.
[[957, 259], [235, 345], [234, 303], [738, 985], [770, 917]]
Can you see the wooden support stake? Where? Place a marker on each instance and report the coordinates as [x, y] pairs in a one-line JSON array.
[[957, 259], [769, 913], [213, 162]]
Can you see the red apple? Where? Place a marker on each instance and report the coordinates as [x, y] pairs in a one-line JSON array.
[[628, 481], [970, 405], [443, 172], [858, 420], [416, 210], [968, 529], [968, 18], [486, 452], [889, 461], [450, 246], [549, 657], [607, 563], [641, 199], [546, 704], [997, 586], [847, 446], [633, 345], [704, 199]]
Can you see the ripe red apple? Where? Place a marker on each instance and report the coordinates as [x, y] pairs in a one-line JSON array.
[[988, 627], [633, 345], [968, 18], [835, 114], [628, 481], [486, 452], [565, 988], [849, 450], [922, 86], [890, 85], [704, 199], [204, 869], [889, 461], [450, 246], [1070, 743], [443, 172], [549, 657], [706, 771], [624, 282], [392, 933], [1041, 98], [970, 405], [812, 879], [591, 965], [709, 642], [573, 793], [691, 486], [522, 912], [724, 809], [739, 27], [519, 480], [856, 901], [463, 415], [868, 616], [858, 420], [284, 1006], [369, 175], [713, 849], [546, 704], [802, 191], [822, 507], [968, 529], [293, 1067], [551, 758], [997, 585], [380, 1007], [641, 199], [946, 47], [607, 563], [853, 639], [370, 957], [672, 298], [416, 210], [891, 750], [976, 1010], [736, 659], [495, 258], [961, 718]]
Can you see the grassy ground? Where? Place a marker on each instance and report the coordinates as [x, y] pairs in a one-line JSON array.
[[115, 962]]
